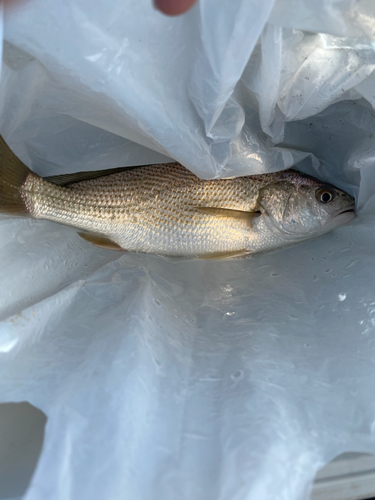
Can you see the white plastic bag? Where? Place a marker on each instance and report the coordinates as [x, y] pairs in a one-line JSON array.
[[195, 380]]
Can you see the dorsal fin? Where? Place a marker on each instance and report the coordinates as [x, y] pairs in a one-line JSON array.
[[66, 179]]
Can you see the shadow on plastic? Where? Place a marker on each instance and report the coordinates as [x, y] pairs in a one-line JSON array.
[[21, 439], [350, 476]]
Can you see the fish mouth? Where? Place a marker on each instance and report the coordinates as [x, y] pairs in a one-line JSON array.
[[343, 215]]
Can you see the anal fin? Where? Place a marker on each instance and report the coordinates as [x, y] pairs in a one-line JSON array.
[[101, 241], [224, 255]]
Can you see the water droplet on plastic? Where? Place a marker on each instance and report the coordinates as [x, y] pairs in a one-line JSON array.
[[275, 275], [237, 375], [328, 270], [353, 262]]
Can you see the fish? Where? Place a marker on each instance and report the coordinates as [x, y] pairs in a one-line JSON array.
[[167, 210]]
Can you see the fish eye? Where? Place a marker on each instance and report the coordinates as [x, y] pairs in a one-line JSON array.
[[325, 195]]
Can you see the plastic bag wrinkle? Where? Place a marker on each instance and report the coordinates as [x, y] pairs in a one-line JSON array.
[[191, 379]]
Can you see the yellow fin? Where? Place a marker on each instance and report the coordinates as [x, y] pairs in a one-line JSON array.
[[224, 255], [13, 174], [226, 212], [100, 241]]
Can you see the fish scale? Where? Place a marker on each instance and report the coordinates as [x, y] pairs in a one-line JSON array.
[[123, 206], [166, 209]]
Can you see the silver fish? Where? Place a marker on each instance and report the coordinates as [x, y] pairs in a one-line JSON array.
[[165, 209]]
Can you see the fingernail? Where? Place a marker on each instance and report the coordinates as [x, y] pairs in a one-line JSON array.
[[173, 7]]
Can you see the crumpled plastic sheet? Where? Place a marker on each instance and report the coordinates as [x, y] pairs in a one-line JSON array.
[[194, 380]]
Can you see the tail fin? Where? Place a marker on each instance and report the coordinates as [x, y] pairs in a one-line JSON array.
[[13, 174]]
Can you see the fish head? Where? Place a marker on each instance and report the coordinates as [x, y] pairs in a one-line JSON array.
[[303, 207]]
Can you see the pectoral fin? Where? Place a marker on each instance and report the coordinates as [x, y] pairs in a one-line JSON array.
[[225, 212], [100, 241]]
